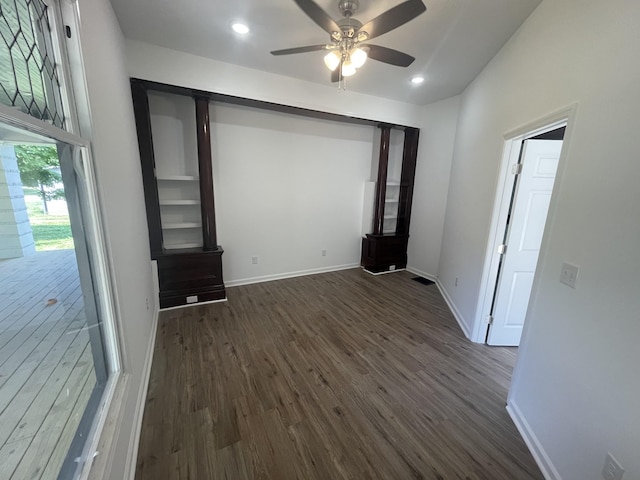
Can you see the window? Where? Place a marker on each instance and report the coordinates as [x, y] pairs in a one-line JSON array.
[[29, 78], [54, 387]]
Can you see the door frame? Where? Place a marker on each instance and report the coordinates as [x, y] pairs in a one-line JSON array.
[[504, 187]]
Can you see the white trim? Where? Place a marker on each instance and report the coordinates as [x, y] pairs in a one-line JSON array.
[[134, 439], [90, 450], [282, 276], [63, 66], [426, 275], [102, 269], [77, 83], [538, 452], [385, 272], [15, 118], [510, 155], [70, 13], [103, 445], [456, 314], [195, 304], [100, 467], [543, 124]]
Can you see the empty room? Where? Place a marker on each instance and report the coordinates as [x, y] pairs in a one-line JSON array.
[[320, 239]]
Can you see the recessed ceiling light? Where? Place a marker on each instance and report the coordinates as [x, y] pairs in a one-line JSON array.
[[240, 28], [417, 80]]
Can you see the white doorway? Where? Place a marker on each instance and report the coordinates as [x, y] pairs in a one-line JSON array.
[[529, 169]]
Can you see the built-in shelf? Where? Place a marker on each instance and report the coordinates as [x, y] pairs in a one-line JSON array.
[[390, 200], [175, 226], [393, 184], [390, 217], [179, 246], [177, 178], [179, 202]]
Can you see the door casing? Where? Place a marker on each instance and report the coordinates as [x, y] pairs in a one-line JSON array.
[[532, 188], [510, 154]]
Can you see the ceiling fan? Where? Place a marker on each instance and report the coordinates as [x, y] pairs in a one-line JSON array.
[[347, 48]]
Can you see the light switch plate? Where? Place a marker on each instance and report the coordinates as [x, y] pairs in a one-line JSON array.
[[569, 274]]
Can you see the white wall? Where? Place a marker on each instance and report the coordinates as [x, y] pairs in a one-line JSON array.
[[115, 150], [173, 123], [163, 65], [435, 151], [576, 391], [437, 124], [286, 188]]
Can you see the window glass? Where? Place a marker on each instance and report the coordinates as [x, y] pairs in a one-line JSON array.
[[29, 77]]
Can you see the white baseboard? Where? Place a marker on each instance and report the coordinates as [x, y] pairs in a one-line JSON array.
[[456, 314], [196, 304], [384, 272], [282, 276], [547, 468], [134, 441], [422, 274]]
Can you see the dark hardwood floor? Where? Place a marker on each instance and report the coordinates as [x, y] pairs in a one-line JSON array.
[[339, 375]]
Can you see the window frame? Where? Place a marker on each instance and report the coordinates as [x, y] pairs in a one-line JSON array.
[[77, 133]]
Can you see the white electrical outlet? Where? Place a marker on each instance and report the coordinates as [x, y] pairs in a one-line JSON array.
[[192, 299], [324, 253], [569, 274], [254, 260], [392, 268], [612, 470]]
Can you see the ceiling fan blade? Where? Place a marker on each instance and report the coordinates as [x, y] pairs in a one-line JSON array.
[[389, 55], [318, 15], [289, 51], [393, 18]]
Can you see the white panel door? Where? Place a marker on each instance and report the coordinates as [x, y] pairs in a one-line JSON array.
[[526, 226]]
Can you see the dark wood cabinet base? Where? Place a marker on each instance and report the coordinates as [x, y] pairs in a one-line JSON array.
[[383, 253], [190, 276]]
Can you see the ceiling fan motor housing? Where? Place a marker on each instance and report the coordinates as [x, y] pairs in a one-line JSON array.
[[348, 7], [349, 27]]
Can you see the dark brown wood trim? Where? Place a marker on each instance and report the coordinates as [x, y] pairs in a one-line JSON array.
[[147, 161], [261, 104], [407, 177], [205, 169], [381, 186]]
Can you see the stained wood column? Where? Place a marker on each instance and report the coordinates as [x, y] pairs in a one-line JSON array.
[[205, 169], [381, 185], [147, 159], [407, 177]]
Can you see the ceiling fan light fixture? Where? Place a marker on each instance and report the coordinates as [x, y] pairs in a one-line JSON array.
[[362, 36], [332, 60], [358, 57], [240, 28], [348, 68], [347, 47]]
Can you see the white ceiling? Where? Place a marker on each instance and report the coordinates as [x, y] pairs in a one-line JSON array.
[[452, 41]]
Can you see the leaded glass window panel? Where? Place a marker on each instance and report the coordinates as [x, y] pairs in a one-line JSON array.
[[29, 77]]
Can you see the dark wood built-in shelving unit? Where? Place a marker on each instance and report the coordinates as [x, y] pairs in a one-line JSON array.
[[192, 274], [381, 251]]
